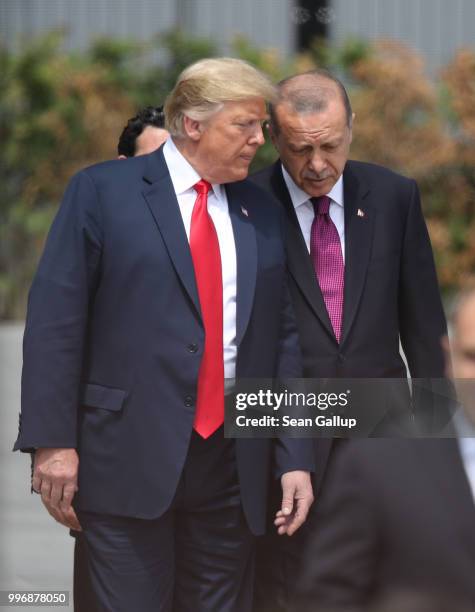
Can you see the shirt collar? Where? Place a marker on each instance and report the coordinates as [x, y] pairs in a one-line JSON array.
[[299, 197], [182, 173]]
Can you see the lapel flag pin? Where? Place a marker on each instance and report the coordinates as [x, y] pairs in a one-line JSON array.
[[244, 211], [360, 213]]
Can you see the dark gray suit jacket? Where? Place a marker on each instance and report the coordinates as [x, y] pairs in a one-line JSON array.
[[395, 514], [391, 289]]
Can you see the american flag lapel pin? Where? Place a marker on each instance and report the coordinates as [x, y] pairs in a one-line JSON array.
[[244, 211], [361, 213]]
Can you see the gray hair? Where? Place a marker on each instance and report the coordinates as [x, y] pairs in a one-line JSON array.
[[312, 96]]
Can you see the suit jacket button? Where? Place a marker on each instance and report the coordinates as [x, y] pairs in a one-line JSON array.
[[189, 401], [192, 348], [341, 357]]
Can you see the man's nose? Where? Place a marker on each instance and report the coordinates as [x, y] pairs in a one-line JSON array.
[[318, 162], [258, 136]]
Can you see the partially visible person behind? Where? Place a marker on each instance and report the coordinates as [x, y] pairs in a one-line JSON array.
[[143, 133], [400, 514]]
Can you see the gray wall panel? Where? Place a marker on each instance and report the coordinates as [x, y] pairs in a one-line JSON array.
[[437, 28], [85, 19], [265, 22]]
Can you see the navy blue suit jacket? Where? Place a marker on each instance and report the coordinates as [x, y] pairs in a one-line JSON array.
[[114, 337]]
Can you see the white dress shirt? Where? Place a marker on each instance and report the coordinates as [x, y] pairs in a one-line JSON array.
[[466, 440], [305, 212], [183, 177]]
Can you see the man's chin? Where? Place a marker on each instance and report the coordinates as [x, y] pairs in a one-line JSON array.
[[241, 173], [316, 188], [317, 191], [237, 175]]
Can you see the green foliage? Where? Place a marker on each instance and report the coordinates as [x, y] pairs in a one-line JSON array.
[[354, 50], [62, 111], [183, 51], [175, 50]]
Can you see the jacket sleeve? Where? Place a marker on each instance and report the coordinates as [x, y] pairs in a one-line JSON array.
[[422, 321], [57, 319], [291, 453]]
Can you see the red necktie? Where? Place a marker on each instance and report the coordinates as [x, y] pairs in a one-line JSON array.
[[206, 257], [325, 250]]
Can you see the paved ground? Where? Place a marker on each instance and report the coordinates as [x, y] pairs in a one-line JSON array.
[[35, 552]]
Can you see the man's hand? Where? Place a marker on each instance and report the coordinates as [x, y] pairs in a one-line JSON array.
[[55, 476], [297, 497]]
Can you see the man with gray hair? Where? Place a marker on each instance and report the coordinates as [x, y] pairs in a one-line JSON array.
[[362, 275], [162, 280]]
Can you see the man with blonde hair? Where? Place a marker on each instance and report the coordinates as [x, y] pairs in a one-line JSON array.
[[163, 280]]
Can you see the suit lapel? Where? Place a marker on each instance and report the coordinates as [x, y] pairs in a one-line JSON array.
[[161, 199], [359, 223], [246, 258], [298, 258]]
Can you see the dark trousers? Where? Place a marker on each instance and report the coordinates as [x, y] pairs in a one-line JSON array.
[[197, 557], [277, 564], [84, 597], [280, 559]]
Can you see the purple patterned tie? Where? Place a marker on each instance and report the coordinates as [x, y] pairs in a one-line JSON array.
[[327, 258]]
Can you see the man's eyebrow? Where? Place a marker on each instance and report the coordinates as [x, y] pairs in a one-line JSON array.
[[252, 115]]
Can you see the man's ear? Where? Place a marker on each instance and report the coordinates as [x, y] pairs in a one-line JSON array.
[[350, 127], [445, 343], [447, 355], [272, 134], [192, 128]]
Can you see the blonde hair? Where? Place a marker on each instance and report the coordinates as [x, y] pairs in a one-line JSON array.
[[203, 87]]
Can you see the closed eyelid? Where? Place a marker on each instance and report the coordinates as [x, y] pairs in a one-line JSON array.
[[301, 149], [251, 124]]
